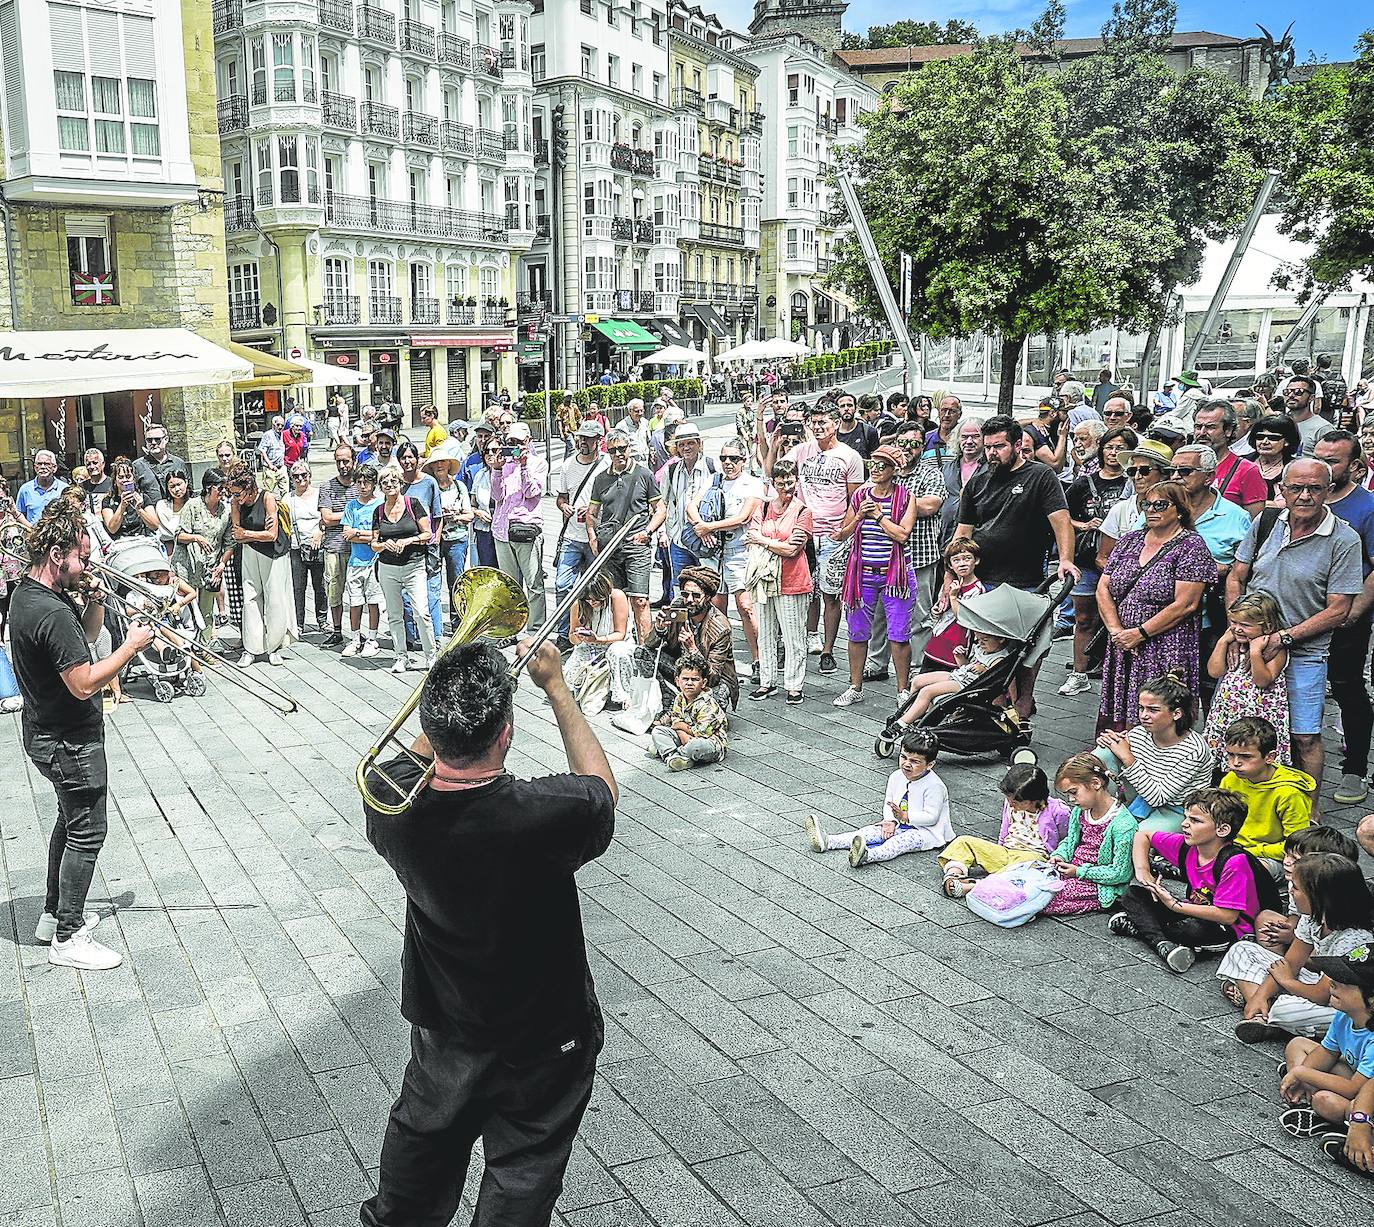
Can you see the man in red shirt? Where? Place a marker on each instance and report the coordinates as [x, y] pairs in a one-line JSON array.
[[295, 442], [1238, 479]]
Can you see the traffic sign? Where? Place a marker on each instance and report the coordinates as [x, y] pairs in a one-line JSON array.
[[565, 319]]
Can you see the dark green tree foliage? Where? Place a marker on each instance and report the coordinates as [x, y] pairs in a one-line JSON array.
[[1328, 171], [910, 34]]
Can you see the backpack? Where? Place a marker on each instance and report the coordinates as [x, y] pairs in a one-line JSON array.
[[1014, 895], [712, 507], [284, 521], [1265, 887]]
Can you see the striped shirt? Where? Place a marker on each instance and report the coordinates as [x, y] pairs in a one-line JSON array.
[[1166, 775]]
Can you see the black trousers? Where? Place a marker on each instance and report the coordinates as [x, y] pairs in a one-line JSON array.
[[451, 1095], [303, 573], [1155, 923], [1349, 660]]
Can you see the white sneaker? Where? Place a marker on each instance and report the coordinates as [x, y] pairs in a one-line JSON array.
[[816, 834], [46, 929], [16, 703], [858, 852], [814, 643], [370, 648], [1076, 683], [246, 659], [353, 648], [429, 663], [402, 664], [849, 696], [902, 697], [84, 953], [275, 658]]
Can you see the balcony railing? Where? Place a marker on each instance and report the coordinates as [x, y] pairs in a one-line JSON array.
[[227, 15], [238, 214], [689, 99], [534, 303], [824, 264], [543, 226], [646, 300], [454, 50], [487, 60], [719, 171], [244, 313], [421, 129], [367, 213], [644, 231], [753, 122], [417, 37], [336, 15], [424, 310], [383, 309], [233, 113], [644, 163], [456, 138], [284, 91], [340, 111], [260, 93], [341, 309], [828, 123], [711, 232], [381, 120], [696, 291], [541, 151], [510, 139], [376, 24], [622, 157], [460, 314], [491, 144], [622, 228], [725, 292]]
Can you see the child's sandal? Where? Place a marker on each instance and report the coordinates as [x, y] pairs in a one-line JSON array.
[[1232, 992]]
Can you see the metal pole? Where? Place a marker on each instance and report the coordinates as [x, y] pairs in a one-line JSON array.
[[1309, 314], [1209, 321], [548, 400]]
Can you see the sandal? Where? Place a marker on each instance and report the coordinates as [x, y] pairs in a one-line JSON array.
[[1303, 1122], [956, 888], [1231, 991]]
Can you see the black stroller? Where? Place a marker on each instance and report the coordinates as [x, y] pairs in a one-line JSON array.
[[973, 722]]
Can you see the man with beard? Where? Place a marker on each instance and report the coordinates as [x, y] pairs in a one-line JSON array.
[[854, 431]]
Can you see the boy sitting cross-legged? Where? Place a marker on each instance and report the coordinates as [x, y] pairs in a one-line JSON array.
[[1278, 799]]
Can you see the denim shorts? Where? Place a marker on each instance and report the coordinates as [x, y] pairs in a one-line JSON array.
[[824, 549], [1306, 681]]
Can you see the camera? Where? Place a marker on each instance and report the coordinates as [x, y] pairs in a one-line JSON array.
[[677, 612], [510, 452]]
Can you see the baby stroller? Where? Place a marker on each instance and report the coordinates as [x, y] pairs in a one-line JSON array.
[[978, 720], [165, 667]]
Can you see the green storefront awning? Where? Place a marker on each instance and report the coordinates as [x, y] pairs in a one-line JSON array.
[[627, 334]]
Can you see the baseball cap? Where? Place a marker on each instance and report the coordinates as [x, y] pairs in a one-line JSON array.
[[385, 432], [1355, 968], [518, 431], [589, 430]]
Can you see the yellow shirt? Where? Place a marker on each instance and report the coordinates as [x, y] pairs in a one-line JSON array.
[[434, 437]]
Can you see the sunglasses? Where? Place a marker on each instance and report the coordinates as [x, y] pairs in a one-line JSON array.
[[1266, 434], [616, 451], [1156, 504], [732, 460], [1140, 470], [1185, 470]]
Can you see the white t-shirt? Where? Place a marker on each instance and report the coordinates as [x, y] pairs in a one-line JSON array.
[[305, 516], [570, 476], [735, 494], [823, 480], [1124, 517], [455, 498]]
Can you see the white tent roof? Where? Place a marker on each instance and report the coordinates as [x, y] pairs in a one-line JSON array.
[[327, 376], [82, 362], [674, 353], [1268, 252]]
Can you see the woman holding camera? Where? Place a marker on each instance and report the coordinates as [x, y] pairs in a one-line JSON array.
[[126, 512], [307, 544]]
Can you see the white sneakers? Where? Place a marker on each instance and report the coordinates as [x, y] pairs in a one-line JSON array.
[[402, 663], [275, 658], [84, 953], [353, 648], [47, 925], [370, 648], [814, 643], [246, 659], [1076, 683], [816, 834], [849, 696]]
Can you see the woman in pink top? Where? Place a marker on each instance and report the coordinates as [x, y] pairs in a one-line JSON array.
[[782, 526]]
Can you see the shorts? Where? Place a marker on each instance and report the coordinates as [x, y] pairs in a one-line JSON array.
[[1087, 584], [1306, 681], [825, 548], [859, 620], [630, 569], [362, 587], [732, 573], [335, 572]]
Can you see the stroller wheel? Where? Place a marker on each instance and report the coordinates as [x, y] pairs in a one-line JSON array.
[[194, 686], [162, 691], [884, 746]]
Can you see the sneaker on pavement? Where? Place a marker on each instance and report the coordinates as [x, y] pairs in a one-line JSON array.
[[354, 647], [828, 664], [370, 648], [678, 762], [401, 663], [814, 643], [858, 852], [874, 674], [275, 658], [83, 952], [1176, 958], [1350, 791], [1254, 1031], [46, 929], [794, 697], [1122, 925], [1076, 683], [816, 834], [246, 659], [333, 639], [849, 696], [902, 697], [1303, 1122]]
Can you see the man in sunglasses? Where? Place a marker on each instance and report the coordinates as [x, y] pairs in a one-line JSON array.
[[335, 495], [1310, 561], [621, 492], [1300, 397], [156, 465]]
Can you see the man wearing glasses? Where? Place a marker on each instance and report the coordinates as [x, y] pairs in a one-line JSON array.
[[1248, 411], [1116, 413], [1309, 560], [619, 494], [1300, 398], [335, 495], [152, 469]]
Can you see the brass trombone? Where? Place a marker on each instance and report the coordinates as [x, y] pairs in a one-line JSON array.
[[486, 602], [155, 615]]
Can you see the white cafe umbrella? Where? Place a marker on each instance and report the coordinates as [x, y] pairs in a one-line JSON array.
[[674, 353], [750, 351], [779, 348]]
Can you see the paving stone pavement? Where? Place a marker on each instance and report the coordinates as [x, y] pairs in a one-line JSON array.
[[788, 1041]]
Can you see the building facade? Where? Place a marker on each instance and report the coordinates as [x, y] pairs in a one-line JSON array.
[[379, 175], [113, 217], [720, 128], [813, 105]]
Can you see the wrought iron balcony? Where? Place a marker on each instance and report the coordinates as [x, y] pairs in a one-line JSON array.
[[454, 50], [227, 15], [381, 120], [711, 232], [688, 99], [646, 301], [510, 138], [491, 144], [340, 111], [417, 37], [534, 303], [753, 122], [260, 93], [376, 24], [622, 228], [373, 214], [541, 151], [336, 15], [244, 313], [696, 291], [725, 292], [460, 314], [487, 60], [341, 309], [424, 310], [456, 138], [420, 129], [543, 226], [644, 231], [238, 214], [828, 123], [622, 157], [284, 91], [644, 163], [233, 113], [383, 309]]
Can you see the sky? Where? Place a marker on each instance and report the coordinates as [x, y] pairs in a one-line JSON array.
[[1326, 29]]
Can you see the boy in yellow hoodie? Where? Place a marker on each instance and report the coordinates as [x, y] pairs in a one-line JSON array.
[[1278, 798]]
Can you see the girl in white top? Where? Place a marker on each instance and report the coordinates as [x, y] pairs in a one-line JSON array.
[[599, 627], [307, 536], [169, 510]]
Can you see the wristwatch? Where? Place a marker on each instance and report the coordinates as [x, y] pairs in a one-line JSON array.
[[1357, 1118], [1286, 638]]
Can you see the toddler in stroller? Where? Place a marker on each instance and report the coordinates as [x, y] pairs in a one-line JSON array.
[[971, 707], [168, 668]]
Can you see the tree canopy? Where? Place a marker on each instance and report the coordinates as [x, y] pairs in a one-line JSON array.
[[910, 34]]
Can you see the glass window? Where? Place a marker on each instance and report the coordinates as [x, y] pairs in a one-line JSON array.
[[288, 169], [73, 130]]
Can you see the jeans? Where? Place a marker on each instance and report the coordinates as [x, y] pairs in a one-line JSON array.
[[405, 580], [1350, 647], [302, 574], [678, 559], [79, 776], [455, 554], [572, 557], [526, 1112], [434, 586]]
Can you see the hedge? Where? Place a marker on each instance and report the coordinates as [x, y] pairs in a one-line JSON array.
[[615, 395]]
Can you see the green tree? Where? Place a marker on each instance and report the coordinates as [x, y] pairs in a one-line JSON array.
[[910, 34], [1328, 171]]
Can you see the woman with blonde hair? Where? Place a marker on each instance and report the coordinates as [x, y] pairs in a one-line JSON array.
[[599, 627]]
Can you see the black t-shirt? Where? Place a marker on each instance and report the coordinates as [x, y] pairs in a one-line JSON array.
[[46, 639], [863, 438], [1090, 498], [494, 953], [405, 527], [1010, 517], [97, 490], [619, 497]]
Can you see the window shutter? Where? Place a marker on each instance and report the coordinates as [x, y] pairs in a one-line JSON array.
[[103, 43], [16, 112], [68, 38], [139, 57], [87, 226]]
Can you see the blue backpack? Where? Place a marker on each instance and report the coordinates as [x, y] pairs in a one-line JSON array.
[[1013, 895]]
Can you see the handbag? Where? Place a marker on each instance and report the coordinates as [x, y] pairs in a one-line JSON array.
[[837, 564], [711, 507], [312, 553], [645, 698], [522, 533]]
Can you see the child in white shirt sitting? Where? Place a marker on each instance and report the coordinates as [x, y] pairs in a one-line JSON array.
[[915, 810]]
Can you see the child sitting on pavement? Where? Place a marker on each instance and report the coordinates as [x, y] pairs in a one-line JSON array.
[[927, 687], [691, 733], [1095, 855], [1275, 929], [1278, 799], [1323, 1079], [915, 810], [1033, 825]]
